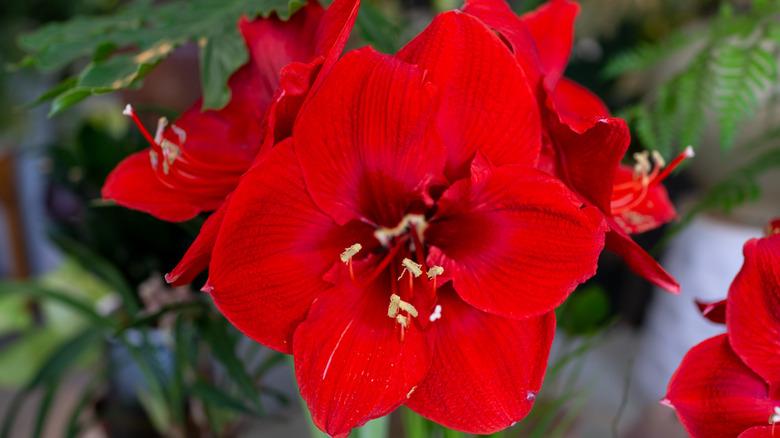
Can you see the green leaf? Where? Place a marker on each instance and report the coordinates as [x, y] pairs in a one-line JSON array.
[[126, 46], [585, 311], [218, 398], [32, 289], [376, 29], [50, 374], [223, 347], [220, 56], [99, 267]]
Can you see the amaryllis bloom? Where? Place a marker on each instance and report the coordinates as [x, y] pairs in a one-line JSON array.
[[729, 385], [195, 162], [402, 244], [583, 145]]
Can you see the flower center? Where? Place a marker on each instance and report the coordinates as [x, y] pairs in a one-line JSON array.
[[403, 263], [650, 169], [190, 174]]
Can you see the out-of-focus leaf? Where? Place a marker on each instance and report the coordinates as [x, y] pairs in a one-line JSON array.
[[98, 266], [377, 29], [585, 311], [219, 398], [220, 56], [125, 46], [32, 289], [49, 374], [223, 346]]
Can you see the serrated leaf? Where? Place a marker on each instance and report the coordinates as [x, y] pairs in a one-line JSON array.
[[220, 56], [147, 32]]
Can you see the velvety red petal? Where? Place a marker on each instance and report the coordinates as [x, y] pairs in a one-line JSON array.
[[654, 210], [516, 242], [362, 139], [760, 432], [552, 29], [576, 106], [299, 77], [350, 360], [486, 370], [273, 43], [587, 161], [198, 255], [753, 311], [499, 16], [715, 394], [639, 261], [714, 311], [486, 102], [133, 184], [272, 250]]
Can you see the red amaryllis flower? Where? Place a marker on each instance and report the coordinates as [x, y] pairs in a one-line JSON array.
[[729, 385], [583, 143], [457, 247], [194, 163]]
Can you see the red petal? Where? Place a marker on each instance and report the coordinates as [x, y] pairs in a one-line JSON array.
[[486, 370], [715, 394], [198, 255], [639, 260], [134, 184], [498, 15], [715, 311], [552, 28], [654, 210], [362, 141], [274, 43], [587, 161], [350, 361], [272, 251], [753, 312], [576, 106], [486, 103], [298, 78], [516, 242], [760, 432]]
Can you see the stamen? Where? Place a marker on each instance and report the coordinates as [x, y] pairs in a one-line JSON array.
[[162, 123], [154, 159], [398, 305], [402, 320], [170, 153], [687, 153], [436, 315], [434, 272], [413, 268], [181, 133], [130, 112], [350, 252], [385, 235], [392, 310]]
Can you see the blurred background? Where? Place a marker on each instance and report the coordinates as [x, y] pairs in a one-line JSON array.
[[93, 343]]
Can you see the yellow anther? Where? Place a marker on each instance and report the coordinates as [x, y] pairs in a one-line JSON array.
[[658, 159], [408, 308], [413, 268], [350, 252], [392, 310], [170, 153], [398, 305], [181, 133], [162, 123], [154, 159], [402, 320], [434, 272]]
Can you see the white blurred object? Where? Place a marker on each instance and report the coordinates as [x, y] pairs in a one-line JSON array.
[[704, 258]]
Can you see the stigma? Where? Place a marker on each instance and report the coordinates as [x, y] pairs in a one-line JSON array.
[[775, 417], [416, 222]]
